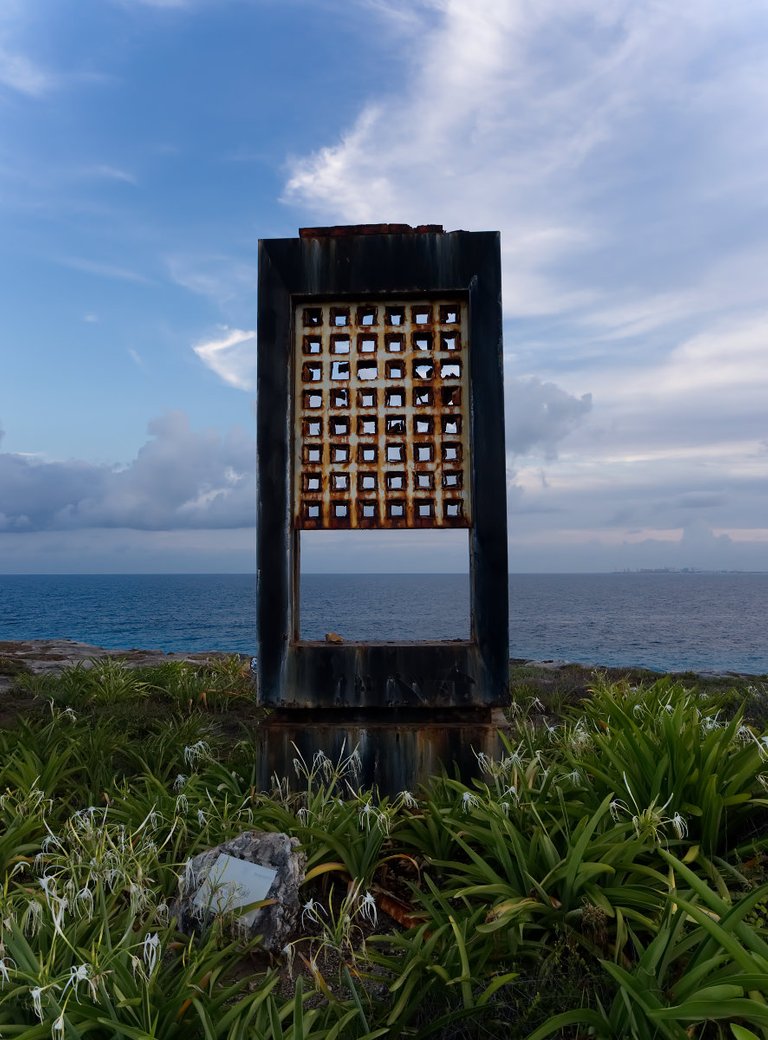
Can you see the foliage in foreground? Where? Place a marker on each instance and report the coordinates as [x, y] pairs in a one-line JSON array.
[[606, 875]]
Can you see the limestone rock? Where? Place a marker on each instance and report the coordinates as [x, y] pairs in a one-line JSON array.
[[276, 852]]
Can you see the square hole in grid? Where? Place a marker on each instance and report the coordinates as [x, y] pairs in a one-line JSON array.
[[453, 478], [451, 424], [396, 508], [339, 453], [312, 317], [395, 424], [450, 369], [339, 426], [449, 314], [312, 371], [423, 370], [394, 315], [423, 481], [312, 399], [421, 314], [422, 341], [423, 451], [339, 398], [312, 454], [312, 427], [367, 481], [339, 482], [367, 344], [424, 508], [367, 370], [395, 481], [395, 452], [339, 317], [312, 345], [367, 398], [355, 582], [423, 397], [423, 425], [312, 482], [451, 451], [367, 510], [394, 344], [340, 344], [339, 370], [367, 453], [367, 426], [395, 369], [450, 341], [367, 316], [394, 398], [450, 396]]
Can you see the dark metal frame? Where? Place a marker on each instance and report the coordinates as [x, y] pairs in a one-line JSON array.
[[292, 673]]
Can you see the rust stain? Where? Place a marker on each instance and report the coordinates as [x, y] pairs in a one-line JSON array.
[[381, 438], [345, 230]]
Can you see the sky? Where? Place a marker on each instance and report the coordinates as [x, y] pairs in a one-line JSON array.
[[619, 146]]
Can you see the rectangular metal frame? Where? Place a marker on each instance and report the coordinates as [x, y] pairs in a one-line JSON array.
[[358, 266]]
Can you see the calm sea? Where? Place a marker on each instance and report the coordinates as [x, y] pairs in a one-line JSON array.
[[670, 622]]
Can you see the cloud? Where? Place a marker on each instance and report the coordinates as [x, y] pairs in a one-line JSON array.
[[220, 278], [232, 357], [104, 270], [22, 74], [180, 479], [539, 415], [110, 173]]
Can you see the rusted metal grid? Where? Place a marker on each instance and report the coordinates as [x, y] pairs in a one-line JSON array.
[[382, 425]]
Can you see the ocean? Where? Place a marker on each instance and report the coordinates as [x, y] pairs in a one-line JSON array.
[[706, 622]]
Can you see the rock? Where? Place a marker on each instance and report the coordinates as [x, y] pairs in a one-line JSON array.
[[214, 882], [333, 637]]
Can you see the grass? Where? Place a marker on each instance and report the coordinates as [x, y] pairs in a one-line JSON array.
[[606, 876]]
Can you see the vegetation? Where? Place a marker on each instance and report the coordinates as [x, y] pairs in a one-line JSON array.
[[606, 875]]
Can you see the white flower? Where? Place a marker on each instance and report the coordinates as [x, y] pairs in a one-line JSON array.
[[37, 1001], [302, 815], [182, 805], [367, 909], [68, 713], [408, 800], [57, 1027], [194, 752], [202, 819], [150, 950], [57, 914], [537, 704], [4, 976], [179, 782], [356, 763], [679, 825], [84, 900], [32, 918], [312, 910], [469, 801], [77, 973]]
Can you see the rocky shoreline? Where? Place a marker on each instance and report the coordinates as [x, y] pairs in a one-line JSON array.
[[51, 656]]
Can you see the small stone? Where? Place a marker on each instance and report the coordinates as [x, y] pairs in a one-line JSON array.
[[276, 852], [333, 637]]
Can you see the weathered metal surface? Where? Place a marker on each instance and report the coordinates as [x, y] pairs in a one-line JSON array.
[[399, 749], [382, 420], [338, 270], [346, 230]]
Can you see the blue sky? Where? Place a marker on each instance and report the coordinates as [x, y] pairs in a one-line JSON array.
[[621, 149]]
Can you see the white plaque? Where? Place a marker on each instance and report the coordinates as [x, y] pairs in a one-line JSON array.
[[232, 883]]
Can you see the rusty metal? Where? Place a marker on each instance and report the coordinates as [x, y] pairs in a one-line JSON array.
[[347, 230], [381, 425], [360, 425]]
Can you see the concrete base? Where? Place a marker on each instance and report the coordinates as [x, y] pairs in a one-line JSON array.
[[399, 749]]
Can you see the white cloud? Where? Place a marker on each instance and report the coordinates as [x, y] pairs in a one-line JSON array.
[[232, 356], [24, 75]]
